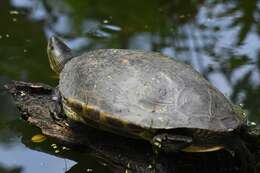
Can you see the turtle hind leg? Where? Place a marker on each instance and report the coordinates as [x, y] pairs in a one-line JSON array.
[[170, 143], [56, 108], [237, 148]]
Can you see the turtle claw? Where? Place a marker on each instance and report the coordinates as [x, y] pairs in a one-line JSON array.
[[55, 112], [157, 142]]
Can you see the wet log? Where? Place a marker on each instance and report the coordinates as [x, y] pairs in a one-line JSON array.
[[34, 100]]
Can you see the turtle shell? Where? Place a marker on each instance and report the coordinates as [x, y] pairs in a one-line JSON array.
[[145, 89]]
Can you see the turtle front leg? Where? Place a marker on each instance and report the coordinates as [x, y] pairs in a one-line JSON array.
[[170, 143], [56, 108]]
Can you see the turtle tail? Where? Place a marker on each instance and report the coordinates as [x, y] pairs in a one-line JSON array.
[[239, 150]]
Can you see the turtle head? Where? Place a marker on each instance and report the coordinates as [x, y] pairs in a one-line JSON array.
[[58, 53]]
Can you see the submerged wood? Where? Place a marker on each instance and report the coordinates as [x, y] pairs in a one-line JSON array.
[[33, 101]]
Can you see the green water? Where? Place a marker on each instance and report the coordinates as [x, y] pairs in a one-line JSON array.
[[218, 38]]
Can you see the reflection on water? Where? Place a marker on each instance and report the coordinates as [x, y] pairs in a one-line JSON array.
[[220, 39], [36, 162]]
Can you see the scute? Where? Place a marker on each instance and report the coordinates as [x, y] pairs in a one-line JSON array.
[[148, 90]]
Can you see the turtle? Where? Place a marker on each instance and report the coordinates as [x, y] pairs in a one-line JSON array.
[[146, 95]]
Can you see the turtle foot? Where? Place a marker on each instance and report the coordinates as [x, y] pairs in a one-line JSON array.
[[56, 108], [170, 143]]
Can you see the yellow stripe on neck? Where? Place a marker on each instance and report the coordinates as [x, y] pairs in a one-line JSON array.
[[196, 149]]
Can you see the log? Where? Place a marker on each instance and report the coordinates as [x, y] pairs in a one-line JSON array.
[[33, 101]]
